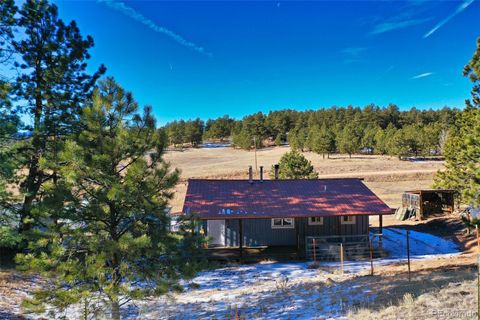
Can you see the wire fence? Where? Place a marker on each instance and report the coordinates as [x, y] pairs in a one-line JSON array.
[[391, 246]]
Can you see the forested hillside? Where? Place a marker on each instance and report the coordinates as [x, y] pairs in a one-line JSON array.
[[371, 129]]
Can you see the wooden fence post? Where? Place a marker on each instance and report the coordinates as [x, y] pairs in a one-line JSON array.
[[408, 253], [478, 287], [314, 251], [371, 258], [341, 255]]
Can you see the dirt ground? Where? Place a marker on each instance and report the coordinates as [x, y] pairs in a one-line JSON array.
[[387, 176]]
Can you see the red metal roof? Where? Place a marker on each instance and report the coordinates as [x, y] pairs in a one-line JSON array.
[[234, 199]]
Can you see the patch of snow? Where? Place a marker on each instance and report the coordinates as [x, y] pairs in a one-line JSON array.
[[421, 244], [285, 290]]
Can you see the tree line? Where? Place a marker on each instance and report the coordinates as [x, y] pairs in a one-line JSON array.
[[371, 129]]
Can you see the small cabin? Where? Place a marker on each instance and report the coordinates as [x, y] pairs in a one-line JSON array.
[[282, 213]]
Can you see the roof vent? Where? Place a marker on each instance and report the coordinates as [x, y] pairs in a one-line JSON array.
[[261, 173], [250, 175]]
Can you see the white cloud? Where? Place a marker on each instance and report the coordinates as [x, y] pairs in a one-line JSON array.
[[460, 8], [394, 25], [132, 13], [422, 75]]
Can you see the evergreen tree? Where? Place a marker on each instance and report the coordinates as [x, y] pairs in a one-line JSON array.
[[112, 243], [293, 165], [368, 139], [380, 141], [194, 132], [431, 138], [398, 144], [176, 133], [462, 149], [51, 89], [220, 128], [349, 141], [278, 140], [7, 22], [9, 147], [312, 138], [325, 142]]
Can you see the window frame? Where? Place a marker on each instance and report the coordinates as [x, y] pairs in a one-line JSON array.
[[353, 220], [283, 226], [311, 222]]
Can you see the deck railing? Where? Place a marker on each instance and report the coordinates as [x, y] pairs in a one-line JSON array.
[[345, 247]]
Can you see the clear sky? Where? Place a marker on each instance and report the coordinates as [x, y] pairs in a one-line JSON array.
[[207, 59]]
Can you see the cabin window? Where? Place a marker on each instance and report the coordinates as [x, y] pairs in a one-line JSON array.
[[348, 220], [283, 223], [313, 221]]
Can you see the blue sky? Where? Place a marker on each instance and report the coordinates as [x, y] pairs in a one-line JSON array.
[[207, 59]]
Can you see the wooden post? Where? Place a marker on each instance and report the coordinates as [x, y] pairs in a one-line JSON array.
[[297, 231], [341, 255], [240, 234], [371, 258], [408, 253], [314, 251], [380, 238], [478, 287], [420, 205]]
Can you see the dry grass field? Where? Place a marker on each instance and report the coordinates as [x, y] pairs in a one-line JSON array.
[[387, 176]]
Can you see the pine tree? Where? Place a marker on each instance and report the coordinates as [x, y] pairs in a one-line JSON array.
[[51, 89], [325, 142], [349, 141], [293, 165], [312, 138], [9, 147], [7, 22], [462, 149], [112, 242]]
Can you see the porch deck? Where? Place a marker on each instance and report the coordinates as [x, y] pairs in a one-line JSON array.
[[254, 254]]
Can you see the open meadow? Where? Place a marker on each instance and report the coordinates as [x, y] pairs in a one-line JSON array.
[[387, 176]]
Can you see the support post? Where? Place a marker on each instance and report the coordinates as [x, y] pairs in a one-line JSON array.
[[297, 232], [380, 238], [240, 234], [408, 253], [341, 255], [371, 258]]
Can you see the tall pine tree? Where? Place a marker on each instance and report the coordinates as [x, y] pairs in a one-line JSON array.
[[113, 241], [51, 89], [462, 149]]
